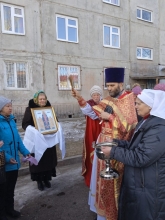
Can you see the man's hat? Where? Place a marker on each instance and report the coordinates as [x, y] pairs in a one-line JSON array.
[[114, 74]]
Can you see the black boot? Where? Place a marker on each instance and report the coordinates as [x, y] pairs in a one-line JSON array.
[[13, 213], [47, 183], [40, 185]]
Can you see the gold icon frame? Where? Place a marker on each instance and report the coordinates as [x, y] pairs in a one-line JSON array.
[[45, 120]]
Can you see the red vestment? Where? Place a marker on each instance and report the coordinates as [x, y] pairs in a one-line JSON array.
[[92, 132], [120, 126]]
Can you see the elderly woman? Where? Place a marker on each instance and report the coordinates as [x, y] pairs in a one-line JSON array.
[[43, 172], [142, 195], [11, 144]]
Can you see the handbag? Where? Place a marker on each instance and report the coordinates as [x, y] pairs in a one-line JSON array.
[[2, 167]]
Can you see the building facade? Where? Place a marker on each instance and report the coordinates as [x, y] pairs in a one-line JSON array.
[[45, 41]]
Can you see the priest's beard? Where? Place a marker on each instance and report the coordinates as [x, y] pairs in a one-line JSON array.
[[115, 93]]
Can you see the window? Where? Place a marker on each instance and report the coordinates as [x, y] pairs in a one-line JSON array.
[[111, 36], [151, 83], [16, 75], [12, 19], [144, 53], [105, 87], [144, 14], [67, 28], [64, 71], [113, 2]]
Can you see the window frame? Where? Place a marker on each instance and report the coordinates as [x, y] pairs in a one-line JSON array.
[[142, 9], [110, 46], [66, 28], [12, 18], [104, 84], [69, 87], [106, 1], [143, 58], [15, 75]]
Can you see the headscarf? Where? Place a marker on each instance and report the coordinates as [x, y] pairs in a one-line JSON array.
[[96, 89], [35, 97], [160, 86], [154, 99], [4, 101], [136, 90]]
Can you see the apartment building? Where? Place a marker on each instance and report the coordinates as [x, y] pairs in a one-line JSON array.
[[42, 42]]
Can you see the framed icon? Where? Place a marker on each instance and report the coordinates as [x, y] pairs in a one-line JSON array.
[[45, 120]]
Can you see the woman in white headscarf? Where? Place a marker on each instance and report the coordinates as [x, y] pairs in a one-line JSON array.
[[142, 195]]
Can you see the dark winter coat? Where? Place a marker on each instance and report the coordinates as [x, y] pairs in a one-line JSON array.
[[49, 159], [142, 195]]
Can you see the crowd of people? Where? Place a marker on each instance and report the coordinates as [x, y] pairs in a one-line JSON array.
[[133, 118], [11, 144], [135, 121]]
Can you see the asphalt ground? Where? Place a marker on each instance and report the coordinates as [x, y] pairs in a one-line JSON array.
[[67, 199]]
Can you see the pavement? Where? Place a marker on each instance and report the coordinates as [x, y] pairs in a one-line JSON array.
[[67, 199]]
